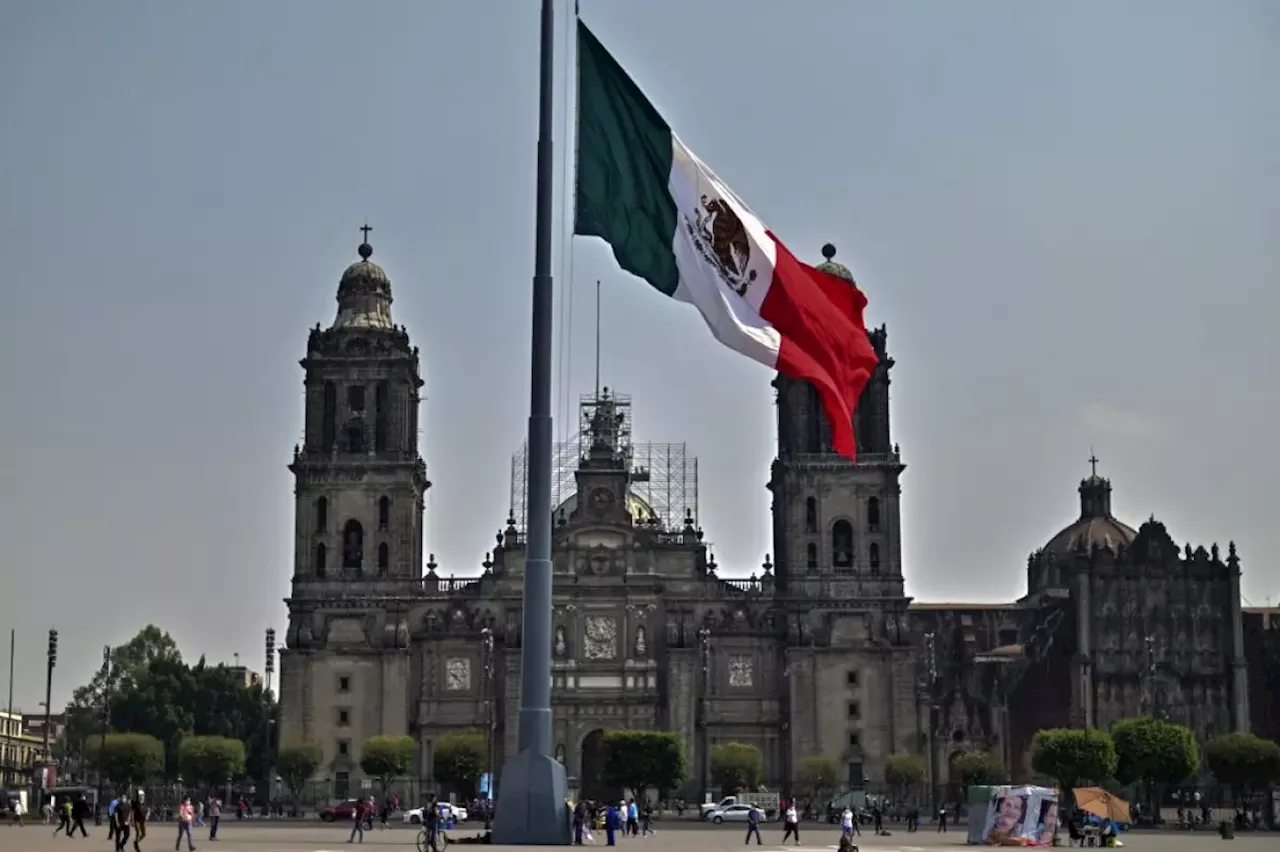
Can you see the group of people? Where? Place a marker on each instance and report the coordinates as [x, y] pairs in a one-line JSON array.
[[628, 817]]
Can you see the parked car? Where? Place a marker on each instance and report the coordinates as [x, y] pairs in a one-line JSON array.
[[459, 814], [731, 813], [340, 812]]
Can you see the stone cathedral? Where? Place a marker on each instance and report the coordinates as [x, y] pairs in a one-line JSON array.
[[820, 651]]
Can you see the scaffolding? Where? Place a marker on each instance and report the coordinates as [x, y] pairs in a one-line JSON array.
[[665, 476]]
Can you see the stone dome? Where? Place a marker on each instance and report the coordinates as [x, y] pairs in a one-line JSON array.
[[831, 267], [364, 295], [1096, 524], [639, 508]]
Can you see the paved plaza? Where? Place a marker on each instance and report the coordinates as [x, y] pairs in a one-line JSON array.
[[237, 837]]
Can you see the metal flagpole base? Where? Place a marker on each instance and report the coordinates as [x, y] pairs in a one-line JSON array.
[[532, 808]]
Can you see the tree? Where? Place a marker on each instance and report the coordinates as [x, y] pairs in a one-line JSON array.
[[296, 762], [816, 774], [210, 760], [1071, 755], [903, 771], [387, 757], [1153, 752], [460, 760], [1245, 762], [977, 768], [153, 691], [126, 759], [638, 760], [737, 766]]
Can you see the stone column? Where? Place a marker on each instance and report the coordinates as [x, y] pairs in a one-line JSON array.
[[1083, 690], [1239, 664]]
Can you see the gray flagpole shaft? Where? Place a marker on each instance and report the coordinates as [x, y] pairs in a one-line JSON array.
[[535, 653]]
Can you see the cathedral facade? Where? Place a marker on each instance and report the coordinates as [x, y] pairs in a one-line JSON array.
[[819, 652]]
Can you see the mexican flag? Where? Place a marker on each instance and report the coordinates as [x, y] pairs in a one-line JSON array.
[[672, 222]]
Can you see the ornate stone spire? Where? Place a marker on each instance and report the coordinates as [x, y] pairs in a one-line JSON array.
[[364, 293]]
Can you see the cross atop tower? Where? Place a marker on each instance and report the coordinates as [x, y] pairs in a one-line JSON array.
[[1093, 462], [365, 230]]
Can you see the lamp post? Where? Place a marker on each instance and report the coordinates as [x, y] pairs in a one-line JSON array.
[[106, 718], [486, 648], [931, 681], [704, 754], [270, 667]]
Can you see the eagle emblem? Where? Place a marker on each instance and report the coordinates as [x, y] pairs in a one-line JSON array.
[[723, 241]]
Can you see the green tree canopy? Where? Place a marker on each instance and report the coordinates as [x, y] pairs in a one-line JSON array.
[[210, 760], [737, 766], [978, 768], [153, 691], [1244, 761], [460, 760], [387, 757], [127, 759], [1154, 751], [296, 762], [638, 760], [817, 773], [1072, 756], [903, 770]]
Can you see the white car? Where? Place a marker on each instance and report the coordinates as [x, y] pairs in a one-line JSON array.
[[459, 814], [732, 813]]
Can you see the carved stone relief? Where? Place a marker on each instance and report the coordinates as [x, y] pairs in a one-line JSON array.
[[457, 674], [600, 638], [740, 671]]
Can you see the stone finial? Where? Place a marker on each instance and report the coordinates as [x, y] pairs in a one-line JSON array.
[[431, 564], [828, 251]]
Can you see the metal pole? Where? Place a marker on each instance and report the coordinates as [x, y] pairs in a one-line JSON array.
[[13, 644], [704, 756], [106, 715], [533, 789]]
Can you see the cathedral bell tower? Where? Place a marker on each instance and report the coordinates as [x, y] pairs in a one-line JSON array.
[[604, 471], [837, 526], [359, 480]]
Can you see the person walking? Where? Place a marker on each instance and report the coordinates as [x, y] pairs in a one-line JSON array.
[[120, 823], [215, 816], [186, 816], [358, 817], [942, 820], [791, 823], [140, 815], [64, 818], [17, 812], [78, 811], [848, 824], [753, 826], [112, 806]]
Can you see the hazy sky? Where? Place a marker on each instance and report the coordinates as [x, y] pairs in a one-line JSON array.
[[1066, 213]]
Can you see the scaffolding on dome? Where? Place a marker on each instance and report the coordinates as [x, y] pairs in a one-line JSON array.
[[663, 475]]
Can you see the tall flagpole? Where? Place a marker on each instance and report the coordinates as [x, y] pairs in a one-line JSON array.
[[532, 788]]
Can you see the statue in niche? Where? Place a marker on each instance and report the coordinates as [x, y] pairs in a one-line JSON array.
[[561, 646], [642, 646], [352, 545], [673, 631]]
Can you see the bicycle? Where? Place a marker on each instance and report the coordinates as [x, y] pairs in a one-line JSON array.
[[424, 840]]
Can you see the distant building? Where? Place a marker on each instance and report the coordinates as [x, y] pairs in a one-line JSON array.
[[19, 750], [33, 723], [245, 675]]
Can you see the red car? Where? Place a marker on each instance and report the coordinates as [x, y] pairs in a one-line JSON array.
[[340, 813]]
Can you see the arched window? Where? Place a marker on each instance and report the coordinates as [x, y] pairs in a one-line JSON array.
[[381, 404], [322, 514], [811, 515], [384, 558], [873, 557], [320, 559], [842, 544], [329, 418], [873, 513], [352, 546], [384, 512], [354, 434], [811, 557]]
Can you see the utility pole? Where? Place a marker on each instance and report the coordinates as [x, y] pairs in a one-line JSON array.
[[931, 684], [704, 751], [106, 719]]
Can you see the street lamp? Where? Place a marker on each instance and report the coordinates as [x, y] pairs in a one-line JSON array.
[[271, 655], [486, 648], [106, 719], [704, 650], [931, 681]]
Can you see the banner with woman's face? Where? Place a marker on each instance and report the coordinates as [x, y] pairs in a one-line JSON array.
[[1021, 816]]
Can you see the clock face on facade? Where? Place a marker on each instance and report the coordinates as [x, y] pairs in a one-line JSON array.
[[601, 498]]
